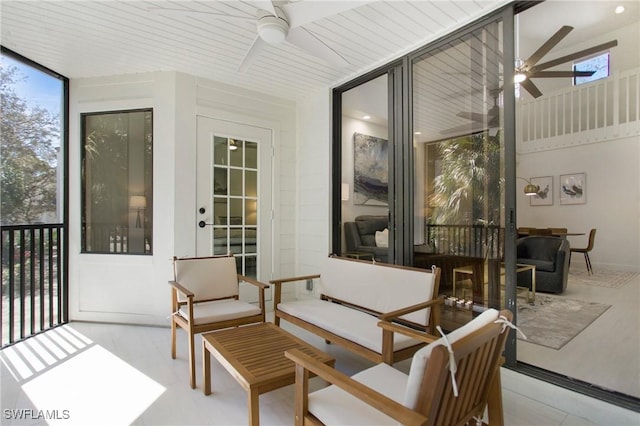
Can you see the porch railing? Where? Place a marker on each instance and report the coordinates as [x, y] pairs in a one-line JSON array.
[[34, 288], [482, 241]]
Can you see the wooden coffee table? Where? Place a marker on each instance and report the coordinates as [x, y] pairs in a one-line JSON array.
[[254, 356]]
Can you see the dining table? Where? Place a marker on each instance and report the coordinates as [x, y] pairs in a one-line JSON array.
[[525, 233]]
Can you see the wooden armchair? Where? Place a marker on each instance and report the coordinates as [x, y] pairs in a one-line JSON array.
[[204, 297], [383, 395]]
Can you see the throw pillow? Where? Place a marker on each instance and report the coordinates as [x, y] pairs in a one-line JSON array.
[[382, 238]]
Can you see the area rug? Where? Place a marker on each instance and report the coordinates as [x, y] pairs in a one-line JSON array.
[[553, 321], [602, 277]]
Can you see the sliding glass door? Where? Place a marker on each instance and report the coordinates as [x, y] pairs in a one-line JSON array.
[[458, 169]]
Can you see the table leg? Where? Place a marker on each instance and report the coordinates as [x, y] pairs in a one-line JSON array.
[[254, 408], [206, 369], [533, 284]]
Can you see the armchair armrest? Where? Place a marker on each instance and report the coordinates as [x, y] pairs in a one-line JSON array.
[[389, 327], [253, 281], [306, 364], [177, 286], [410, 332], [261, 287]]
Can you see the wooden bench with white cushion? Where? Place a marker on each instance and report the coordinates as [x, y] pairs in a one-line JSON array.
[[355, 296]]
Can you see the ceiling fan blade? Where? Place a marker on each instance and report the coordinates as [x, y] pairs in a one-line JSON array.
[[573, 56], [465, 129], [171, 12], [548, 45], [554, 74], [531, 88], [312, 44], [473, 116], [256, 48], [265, 5], [304, 12]]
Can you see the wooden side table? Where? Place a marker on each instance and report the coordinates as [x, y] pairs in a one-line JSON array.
[[254, 356]]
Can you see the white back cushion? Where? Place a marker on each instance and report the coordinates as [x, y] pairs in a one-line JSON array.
[[208, 278], [420, 358], [378, 287]]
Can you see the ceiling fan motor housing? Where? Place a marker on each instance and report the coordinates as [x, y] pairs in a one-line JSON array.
[[273, 29]]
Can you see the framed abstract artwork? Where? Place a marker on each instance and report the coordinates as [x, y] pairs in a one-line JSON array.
[[573, 188], [544, 196], [370, 170]]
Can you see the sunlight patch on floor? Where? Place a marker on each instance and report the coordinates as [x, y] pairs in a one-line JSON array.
[[71, 380]]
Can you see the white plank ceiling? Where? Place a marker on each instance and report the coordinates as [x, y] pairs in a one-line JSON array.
[[100, 38]]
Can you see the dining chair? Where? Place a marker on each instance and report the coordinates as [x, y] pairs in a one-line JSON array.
[[204, 297], [586, 250], [450, 382]]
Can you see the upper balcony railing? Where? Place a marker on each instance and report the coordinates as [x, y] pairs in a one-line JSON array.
[[34, 290]]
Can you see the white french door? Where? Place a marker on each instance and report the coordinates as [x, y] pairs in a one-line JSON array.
[[234, 196]]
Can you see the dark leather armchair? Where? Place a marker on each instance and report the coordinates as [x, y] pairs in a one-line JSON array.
[[360, 236], [550, 255]]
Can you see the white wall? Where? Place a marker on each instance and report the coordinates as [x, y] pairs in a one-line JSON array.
[[134, 289], [313, 175], [612, 199]]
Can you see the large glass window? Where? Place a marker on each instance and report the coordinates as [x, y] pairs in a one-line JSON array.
[[458, 170], [365, 150], [33, 185], [117, 182]]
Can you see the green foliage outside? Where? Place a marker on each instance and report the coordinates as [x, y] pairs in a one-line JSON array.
[[469, 187], [28, 156]]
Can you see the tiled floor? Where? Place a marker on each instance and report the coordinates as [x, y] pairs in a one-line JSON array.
[[91, 374]]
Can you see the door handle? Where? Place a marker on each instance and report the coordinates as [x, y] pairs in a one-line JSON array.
[[202, 224]]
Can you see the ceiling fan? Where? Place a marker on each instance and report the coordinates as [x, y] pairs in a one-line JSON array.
[[528, 69], [280, 21], [479, 121]]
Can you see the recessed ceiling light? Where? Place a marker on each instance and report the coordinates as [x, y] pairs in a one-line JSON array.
[[417, 133], [366, 117], [619, 10]]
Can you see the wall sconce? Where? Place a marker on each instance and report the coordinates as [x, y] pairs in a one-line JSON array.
[[529, 189], [345, 192], [138, 202]]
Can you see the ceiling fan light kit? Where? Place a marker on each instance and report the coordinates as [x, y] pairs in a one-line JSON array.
[[273, 29]]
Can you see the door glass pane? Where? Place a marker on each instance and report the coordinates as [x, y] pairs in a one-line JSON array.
[[458, 170], [236, 152], [220, 150], [235, 182], [251, 183], [365, 170], [236, 201], [220, 185], [251, 155], [220, 211]]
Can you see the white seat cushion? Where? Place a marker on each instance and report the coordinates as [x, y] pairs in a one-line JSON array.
[[220, 310], [351, 324], [381, 288], [420, 358], [334, 406]]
